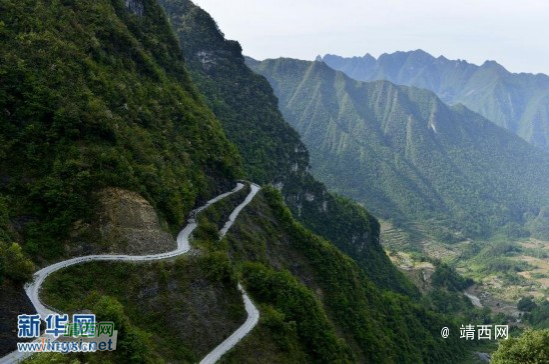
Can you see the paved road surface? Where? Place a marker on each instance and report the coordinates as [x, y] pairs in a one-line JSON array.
[[474, 299], [183, 246], [251, 310]]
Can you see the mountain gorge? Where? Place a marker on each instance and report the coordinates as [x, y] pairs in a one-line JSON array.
[[272, 150], [517, 102], [100, 98], [406, 155]]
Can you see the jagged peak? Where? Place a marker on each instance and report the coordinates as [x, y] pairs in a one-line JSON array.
[[421, 52], [417, 52], [491, 64]]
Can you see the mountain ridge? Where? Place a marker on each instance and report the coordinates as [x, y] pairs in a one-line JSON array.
[[125, 112], [272, 150], [398, 148], [515, 101]]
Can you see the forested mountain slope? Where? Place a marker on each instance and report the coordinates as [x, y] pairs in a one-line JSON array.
[[94, 96], [517, 101], [95, 99], [272, 150], [316, 304], [405, 154], [378, 326]]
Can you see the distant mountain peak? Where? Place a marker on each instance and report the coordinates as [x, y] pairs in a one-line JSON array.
[[430, 160], [514, 101], [494, 65]]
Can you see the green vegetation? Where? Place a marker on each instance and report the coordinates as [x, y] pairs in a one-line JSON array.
[[445, 296], [158, 311], [531, 348], [536, 314], [449, 302], [51, 358], [317, 305], [297, 304], [242, 100], [95, 96], [379, 326], [447, 277], [496, 257], [14, 264], [274, 341], [407, 156], [167, 310], [219, 213], [271, 149], [526, 304], [514, 101]]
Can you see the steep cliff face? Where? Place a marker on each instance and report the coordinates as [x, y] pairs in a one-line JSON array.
[[125, 223], [294, 260], [272, 151], [243, 102], [94, 96], [135, 6], [317, 305], [175, 311]]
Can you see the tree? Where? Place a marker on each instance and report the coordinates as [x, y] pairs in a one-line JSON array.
[[14, 264], [531, 348], [526, 304]]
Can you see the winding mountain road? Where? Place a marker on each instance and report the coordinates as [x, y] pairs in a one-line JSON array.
[[474, 299], [183, 247], [251, 310]]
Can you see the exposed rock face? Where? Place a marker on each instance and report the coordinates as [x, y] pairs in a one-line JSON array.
[[127, 223], [135, 6]]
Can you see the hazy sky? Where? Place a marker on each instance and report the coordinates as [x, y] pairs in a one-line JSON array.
[[513, 33]]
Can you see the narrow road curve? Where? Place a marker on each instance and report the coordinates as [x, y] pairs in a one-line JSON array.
[[251, 310], [474, 299], [183, 246]]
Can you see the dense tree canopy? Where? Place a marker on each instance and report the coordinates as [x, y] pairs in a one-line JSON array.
[[530, 348], [93, 95]]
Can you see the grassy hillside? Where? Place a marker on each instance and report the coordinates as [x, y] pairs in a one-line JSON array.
[[517, 102], [406, 155]]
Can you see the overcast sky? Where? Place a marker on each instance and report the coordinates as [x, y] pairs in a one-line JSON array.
[[513, 33]]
